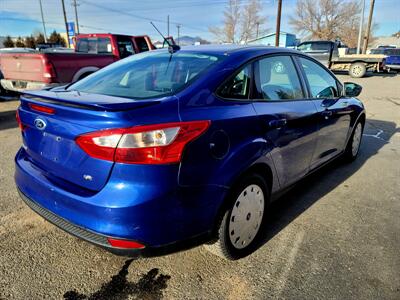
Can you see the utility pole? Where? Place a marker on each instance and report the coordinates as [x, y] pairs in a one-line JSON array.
[[178, 26], [75, 4], [65, 22], [361, 28], [167, 25], [258, 27], [44, 26], [278, 23], [368, 30]]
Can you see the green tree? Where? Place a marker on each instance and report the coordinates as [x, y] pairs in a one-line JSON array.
[[20, 43], [39, 39], [56, 38], [8, 42], [30, 42]]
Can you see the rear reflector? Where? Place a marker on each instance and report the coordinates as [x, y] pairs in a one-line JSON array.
[[20, 125], [149, 144], [44, 109], [124, 244]]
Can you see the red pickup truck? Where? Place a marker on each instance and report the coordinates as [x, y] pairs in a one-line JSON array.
[[22, 71]]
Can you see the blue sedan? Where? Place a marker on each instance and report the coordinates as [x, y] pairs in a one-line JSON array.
[[167, 147]]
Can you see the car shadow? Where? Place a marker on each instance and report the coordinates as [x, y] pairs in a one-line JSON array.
[[311, 189], [7, 120], [149, 286]]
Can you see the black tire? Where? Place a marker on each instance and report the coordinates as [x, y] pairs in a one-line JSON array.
[[349, 155], [357, 70], [223, 246]]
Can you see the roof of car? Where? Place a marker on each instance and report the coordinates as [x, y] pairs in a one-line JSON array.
[[226, 49]]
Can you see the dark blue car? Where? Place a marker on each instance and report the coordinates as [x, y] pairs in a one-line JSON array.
[[161, 147], [392, 61]]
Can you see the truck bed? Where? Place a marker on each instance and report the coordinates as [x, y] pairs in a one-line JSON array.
[[348, 58]]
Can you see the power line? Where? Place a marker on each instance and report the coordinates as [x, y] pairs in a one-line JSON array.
[[136, 16]]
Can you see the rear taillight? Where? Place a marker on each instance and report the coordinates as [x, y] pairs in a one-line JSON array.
[[40, 108], [48, 70], [20, 125], [150, 144]]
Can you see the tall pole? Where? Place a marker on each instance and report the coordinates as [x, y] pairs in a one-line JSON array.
[[258, 27], [179, 28], [361, 28], [368, 30], [65, 22], [168, 25], [278, 23], [76, 16], [44, 26]]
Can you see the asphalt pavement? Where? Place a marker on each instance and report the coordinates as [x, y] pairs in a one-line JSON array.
[[336, 235]]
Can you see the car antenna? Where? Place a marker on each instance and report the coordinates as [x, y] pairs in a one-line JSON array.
[[172, 48]]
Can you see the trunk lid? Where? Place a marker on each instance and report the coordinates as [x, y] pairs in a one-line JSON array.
[[52, 147]]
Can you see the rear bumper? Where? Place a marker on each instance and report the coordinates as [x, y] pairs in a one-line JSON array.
[[80, 232], [156, 214], [23, 85], [393, 67]]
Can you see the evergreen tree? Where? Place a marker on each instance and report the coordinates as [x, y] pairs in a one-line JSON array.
[[20, 43], [8, 42]]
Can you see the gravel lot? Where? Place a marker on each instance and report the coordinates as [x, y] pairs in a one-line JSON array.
[[335, 236]]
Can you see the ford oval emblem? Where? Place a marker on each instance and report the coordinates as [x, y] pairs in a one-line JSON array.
[[40, 124]]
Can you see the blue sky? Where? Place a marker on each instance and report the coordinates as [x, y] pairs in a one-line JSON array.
[[22, 17]]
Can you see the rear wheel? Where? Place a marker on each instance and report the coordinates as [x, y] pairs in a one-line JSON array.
[[357, 70], [241, 222], [353, 146]]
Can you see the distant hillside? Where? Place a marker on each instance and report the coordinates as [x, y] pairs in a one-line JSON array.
[[189, 40]]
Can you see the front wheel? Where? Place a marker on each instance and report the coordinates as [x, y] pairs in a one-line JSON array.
[[241, 222], [353, 146]]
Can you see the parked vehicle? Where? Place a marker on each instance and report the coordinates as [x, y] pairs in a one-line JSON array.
[[166, 147], [392, 57], [52, 67], [329, 54]]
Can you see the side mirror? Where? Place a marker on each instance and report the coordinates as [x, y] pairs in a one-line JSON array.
[[352, 89]]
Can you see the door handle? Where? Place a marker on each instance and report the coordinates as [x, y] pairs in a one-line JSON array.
[[327, 114], [279, 123]]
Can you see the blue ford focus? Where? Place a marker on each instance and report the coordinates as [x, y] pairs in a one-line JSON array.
[[166, 147]]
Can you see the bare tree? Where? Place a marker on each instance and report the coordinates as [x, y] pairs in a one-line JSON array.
[[228, 33], [250, 20], [240, 22], [328, 20]]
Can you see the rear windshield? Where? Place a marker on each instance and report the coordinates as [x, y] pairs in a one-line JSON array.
[[394, 51], [94, 45], [147, 75]]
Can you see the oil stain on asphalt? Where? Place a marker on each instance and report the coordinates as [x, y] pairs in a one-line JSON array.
[[149, 286]]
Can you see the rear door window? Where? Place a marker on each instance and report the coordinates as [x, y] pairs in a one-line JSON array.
[[142, 44], [321, 46], [125, 46], [276, 79]]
